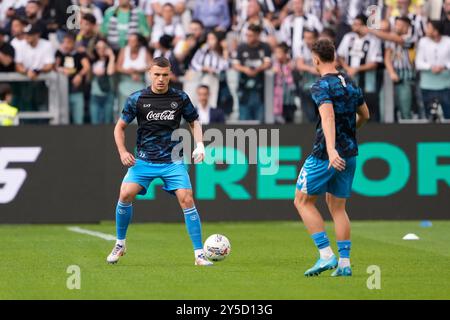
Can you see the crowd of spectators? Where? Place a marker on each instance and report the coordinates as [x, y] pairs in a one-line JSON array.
[[104, 48]]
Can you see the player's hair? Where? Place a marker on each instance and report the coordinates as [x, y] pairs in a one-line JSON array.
[[325, 49], [21, 20], [168, 4], [437, 25], [361, 17], [203, 86], [283, 46], [36, 2], [5, 89], [89, 17], [69, 35], [311, 30], [405, 19], [161, 62], [328, 33], [199, 22], [255, 28]]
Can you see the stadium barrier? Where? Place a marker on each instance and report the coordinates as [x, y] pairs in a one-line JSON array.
[[68, 174], [58, 97]]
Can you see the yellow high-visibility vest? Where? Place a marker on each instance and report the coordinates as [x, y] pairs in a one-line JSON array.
[[8, 114]]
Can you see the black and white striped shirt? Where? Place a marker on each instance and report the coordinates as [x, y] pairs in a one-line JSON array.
[[267, 30], [292, 29], [401, 59], [205, 57], [241, 9], [417, 29]]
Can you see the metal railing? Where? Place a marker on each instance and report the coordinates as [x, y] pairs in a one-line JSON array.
[[58, 101]]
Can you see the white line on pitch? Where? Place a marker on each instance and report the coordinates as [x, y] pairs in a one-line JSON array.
[[97, 234]]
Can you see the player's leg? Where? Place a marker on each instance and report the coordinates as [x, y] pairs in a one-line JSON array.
[[193, 224], [124, 213], [339, 189], [342, 228], [306, 207], [176, 181]]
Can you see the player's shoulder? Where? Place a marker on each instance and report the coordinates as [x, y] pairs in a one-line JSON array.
[[323, 83], [348, 36], [180, 93], [135, 95]]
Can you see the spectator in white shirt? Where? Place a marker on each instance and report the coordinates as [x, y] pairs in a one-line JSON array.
[[433, 62], [33, 57], [255, 17], [17, 32], [291, 31], [36, 55], [168, 26], [359, 54]]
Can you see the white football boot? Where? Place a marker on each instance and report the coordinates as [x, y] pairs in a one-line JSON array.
[[116, 253], [201, 260]]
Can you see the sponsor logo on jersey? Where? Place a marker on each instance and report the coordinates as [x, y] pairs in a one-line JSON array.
[[161, 116], [147, 105]]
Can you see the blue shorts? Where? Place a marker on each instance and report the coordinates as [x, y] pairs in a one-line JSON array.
[[316, 179], [174, 175]]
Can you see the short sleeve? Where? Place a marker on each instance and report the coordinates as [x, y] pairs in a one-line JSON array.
[[267, 52], [189, 112], [342, 50], [360, 96], [320, 93], [129, 111], [238, 56], [375, 52]]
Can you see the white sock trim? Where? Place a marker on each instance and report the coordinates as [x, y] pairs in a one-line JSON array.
[[326, 253], [344, 262]]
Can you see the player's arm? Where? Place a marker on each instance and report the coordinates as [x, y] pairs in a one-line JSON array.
[[386, 35], [199, 152], [329, 130], [362, 115], [127, 158]]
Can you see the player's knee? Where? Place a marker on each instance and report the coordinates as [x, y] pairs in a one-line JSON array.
[[187, 200], [301, 201], [126, 196]]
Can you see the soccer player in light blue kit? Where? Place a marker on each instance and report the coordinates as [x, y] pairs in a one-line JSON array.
[[331, 166], [158, 110]]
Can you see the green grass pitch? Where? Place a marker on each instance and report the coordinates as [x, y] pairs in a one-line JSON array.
[[267, 261]]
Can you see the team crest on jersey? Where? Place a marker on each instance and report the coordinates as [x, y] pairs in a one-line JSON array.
[[174, 105]]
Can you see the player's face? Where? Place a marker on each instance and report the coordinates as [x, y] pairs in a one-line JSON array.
[[429, 30], [297, 6], [160, 78], [401, 27], [356, 26], [309, 39], [447, 7], [252, 37], [16, 28], [203, 96]]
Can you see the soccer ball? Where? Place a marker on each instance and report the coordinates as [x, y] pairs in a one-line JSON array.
[[217, 247]]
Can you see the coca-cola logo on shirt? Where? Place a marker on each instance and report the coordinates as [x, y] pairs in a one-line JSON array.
[[161, 116]]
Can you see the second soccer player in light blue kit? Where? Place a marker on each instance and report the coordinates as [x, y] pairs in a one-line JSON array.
[[331, 166]]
